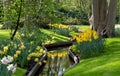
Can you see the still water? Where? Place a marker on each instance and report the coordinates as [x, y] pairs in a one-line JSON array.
[[57, 63]]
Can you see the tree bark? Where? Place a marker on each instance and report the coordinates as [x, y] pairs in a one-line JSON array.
[[95, 14], [103, 17], [110, 20]]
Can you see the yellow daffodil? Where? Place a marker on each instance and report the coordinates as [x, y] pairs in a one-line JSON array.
[[36, 60], [28, 58], [1, 52], [40, 63], [18, 52], [38, 48], [43, 51], [44, 61], [15, 56], [22, 35], [5, 48], [22, 47]]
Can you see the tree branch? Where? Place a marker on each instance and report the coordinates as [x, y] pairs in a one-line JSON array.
[[18, 22]]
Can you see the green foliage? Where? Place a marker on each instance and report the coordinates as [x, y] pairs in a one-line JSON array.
[[10, 13], [62, 31], [4, 71], [19, 72]]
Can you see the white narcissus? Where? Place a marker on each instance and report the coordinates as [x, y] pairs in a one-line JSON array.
[[12, 67], [6, 60]]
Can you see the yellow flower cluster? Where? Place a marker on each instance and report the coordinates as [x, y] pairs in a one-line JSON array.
[[18, 52], [5, 49], [60, 54], [22, 47], [1, 52], [85, 36], [38, 48], [34, 54], [60, 26]]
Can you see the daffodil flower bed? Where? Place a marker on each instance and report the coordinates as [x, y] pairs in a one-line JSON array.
[[88, 43], [63, 29], [25, 47]]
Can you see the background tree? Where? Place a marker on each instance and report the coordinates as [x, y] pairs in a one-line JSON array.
[[103, 17]]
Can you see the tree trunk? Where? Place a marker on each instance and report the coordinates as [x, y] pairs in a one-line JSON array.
[[4, 7], [95, 14], [103, 17], [57, 1], [110, 20], [18, 22]]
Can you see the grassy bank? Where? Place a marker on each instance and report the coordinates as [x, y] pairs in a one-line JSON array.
[[106, 65], [4, 34]]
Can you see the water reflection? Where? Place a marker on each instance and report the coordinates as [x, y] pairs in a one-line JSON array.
[[57, 63]]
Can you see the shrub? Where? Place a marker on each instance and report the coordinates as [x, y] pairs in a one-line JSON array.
[[88, 43]]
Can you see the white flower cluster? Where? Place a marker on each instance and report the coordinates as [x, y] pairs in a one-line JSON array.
[[6, 60], [12, 67]]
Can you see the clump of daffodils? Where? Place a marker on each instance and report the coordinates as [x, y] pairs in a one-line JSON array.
[[88, 35], [6, 66], [60, 54], [60, 26], [89, 43]]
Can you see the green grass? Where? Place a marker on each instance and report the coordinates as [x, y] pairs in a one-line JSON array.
[[1, 25], [85, 27], [19, 72], [56, 36], [106, 65], [4, 34]]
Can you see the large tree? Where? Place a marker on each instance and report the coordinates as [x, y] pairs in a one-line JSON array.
[[103, 17]]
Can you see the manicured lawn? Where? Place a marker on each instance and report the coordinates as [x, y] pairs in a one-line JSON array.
[[85, 27], [0, 25], [56, 36], [106, 65], [4, 34]]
